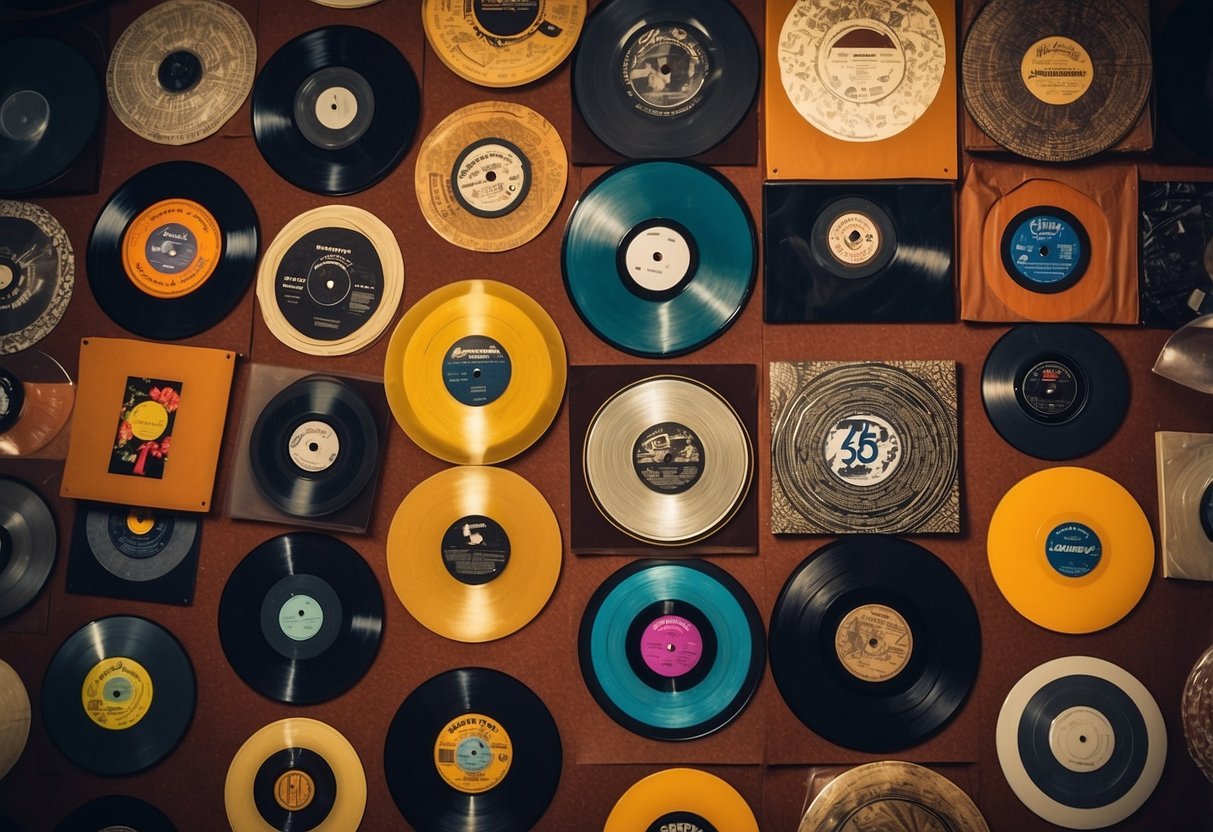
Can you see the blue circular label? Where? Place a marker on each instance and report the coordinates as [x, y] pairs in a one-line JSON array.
[[1073, 549], [1045, 249], [171, 248], [473, 754], [476, 370]]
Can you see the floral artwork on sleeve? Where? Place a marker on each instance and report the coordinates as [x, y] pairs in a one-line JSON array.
[[145, 427]]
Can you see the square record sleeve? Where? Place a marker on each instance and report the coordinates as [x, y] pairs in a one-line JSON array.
[[203, 381], [590, 386]]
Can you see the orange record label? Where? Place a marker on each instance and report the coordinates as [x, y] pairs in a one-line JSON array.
[[116, 693], [473, 753], [171, 248], [294, 790], [873, 642]]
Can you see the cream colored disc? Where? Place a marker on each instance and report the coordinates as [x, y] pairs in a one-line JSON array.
[[667, 460], [295, 766], [892, 795], [330, 282], [491, 175], [181, 70], [14, 717]]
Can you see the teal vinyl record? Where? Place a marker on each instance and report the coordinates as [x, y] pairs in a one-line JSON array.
[[672, 650], [659, 257]]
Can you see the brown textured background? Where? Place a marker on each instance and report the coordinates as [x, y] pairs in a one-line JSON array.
[[766, 753]]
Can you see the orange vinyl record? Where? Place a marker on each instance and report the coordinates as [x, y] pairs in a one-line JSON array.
[[1055, 245], [681, 799], [1070, 549], [861, 95], [148, 423]]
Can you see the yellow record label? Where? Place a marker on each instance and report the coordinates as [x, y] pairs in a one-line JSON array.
[[473, 753], [873, 642], [148, 420], [294, 790], [171, 248], [117, 693], [140, 522], [1056, 70]]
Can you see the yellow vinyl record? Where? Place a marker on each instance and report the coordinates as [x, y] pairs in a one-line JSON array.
[[1070, 549], [491, 175], [474, 553], [667, 799], [502, 44], [295, 774], [475, 372]]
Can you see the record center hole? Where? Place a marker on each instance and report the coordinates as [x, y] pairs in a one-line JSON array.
[[1082, 738], [117, 694], [1044, 251], [302, 613], [476, 373], [854, 236], [670, 648], [491, 176], [665, 69], [657, 257], [313, 447], [872, 642]]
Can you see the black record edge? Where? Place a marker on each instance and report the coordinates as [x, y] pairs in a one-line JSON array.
[[342, 663], [169, 319], [116, 812], [876, 716], [21, 591]]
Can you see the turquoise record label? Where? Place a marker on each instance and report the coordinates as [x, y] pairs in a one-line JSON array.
[[476, 370], [1073, 549], [1045, 249]]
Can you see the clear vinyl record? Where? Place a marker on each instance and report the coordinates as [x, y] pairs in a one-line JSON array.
[[36, 400]]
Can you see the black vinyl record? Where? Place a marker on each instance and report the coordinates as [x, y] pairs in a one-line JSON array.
[[1175, 220], [855, 252], [1054, 391], [335, 109], [472, 750], [315, 447], [116, 812], [665, 80], [874, 643], [118, 695], [135, 553], [51, 101], [671, 650], [1183, 60], [173, 250], [28, 542], [301, 617]]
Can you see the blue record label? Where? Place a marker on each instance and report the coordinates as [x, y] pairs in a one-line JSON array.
[[1073, 549], [476, 370], [1045, 249]]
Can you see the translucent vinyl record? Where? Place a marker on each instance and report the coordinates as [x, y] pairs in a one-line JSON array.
[[475, 372], [335, 109], [472, 750], [491, 175], [474, 553], [1196, 707], [502, 44], [874, 643], [14, 717], [1070, 549], [1055, 391], [36, 400], [665, 799], [659, 257], [51, 104], [118, 695], [37, 274], [1081, 742], [295, 773], [666, 80], [116, 813], [173, 250], [671, 650], [28, 543], [667, 460], [894, 795], [181, 70], [331, 281], [301, 618], [315, 447], [1055, 82]]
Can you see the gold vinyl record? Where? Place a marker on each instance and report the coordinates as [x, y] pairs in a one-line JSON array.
[[892, 795], [14, 717], [295, 774], [491, 175], [667, 460], [1185, 503], [1070, 549], [474, 553], [331, 281], [475, 372], [667, 799], [181, 70], [502, 44], [36, 399]]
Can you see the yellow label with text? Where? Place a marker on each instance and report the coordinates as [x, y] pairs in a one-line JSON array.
[[473, 753], [171, 248], [141, 521], [1057, 70], [873, 642], [294, 790], [117, 693], [148, 420]]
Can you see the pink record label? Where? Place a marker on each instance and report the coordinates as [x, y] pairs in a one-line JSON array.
[[671, 646]]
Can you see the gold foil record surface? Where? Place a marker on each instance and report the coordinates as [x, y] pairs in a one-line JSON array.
[[474, 552], [37, 274], [14, 717], [1185, 503], [892, 795], [1197, 710], [181, 70], [491, 175], [496, 44]]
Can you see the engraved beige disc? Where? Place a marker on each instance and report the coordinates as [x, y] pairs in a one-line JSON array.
[[14, 717], [491, 175], [497, 44], [204, 47], [892, 795], [1196, 707]]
